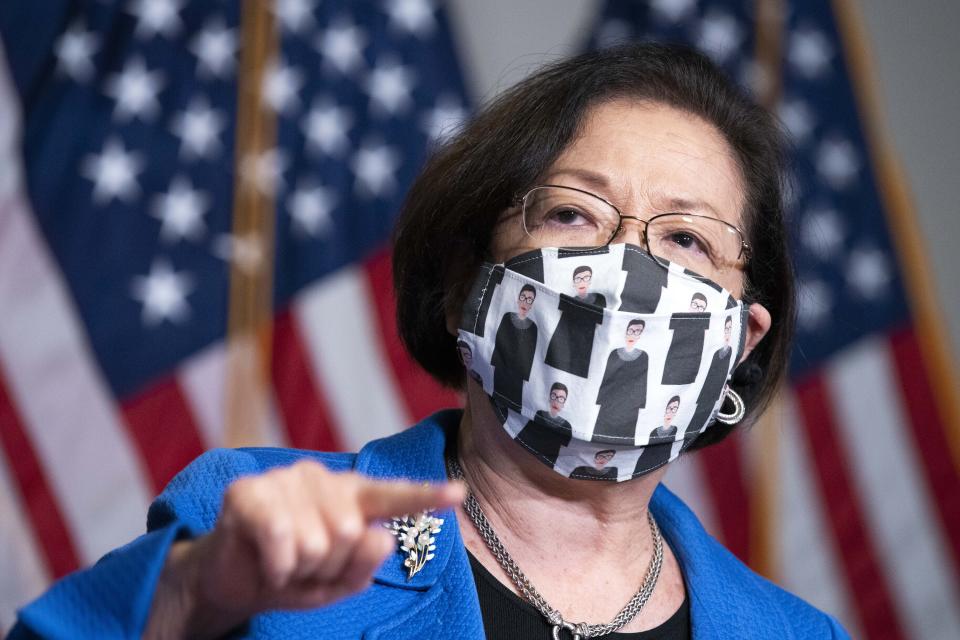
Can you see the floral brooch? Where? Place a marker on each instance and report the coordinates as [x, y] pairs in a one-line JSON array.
[[417, 541]]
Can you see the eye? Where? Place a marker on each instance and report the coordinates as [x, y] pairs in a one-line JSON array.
[[568, 216], [684, 239], [688, 241]]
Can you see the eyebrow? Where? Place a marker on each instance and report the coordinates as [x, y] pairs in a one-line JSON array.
[[690, 204], [591, 177]]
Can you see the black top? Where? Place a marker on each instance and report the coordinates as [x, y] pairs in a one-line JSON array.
[[507, 616]]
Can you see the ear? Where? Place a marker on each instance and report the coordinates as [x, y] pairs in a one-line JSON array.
[[453, 324], [758, 323]]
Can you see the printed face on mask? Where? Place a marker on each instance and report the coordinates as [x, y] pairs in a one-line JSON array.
[[525, 301]]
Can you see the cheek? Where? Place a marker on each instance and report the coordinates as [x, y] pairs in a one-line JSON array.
[[733, 281]]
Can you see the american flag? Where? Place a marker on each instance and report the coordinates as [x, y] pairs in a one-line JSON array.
[[847, 492], [194, 210], [164, 164]]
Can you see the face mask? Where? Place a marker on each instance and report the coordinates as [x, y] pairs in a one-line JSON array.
[[605, 364]]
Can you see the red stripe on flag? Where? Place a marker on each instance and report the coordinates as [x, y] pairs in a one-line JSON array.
[[928, 430], [423, 395], [163, 429], [858, 556], [726, 483], [300, 399], [45, 517]]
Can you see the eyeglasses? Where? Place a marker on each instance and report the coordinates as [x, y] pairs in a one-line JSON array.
[[526, 297], [559, 216], [635, 331], [559, 399], [583, 278]]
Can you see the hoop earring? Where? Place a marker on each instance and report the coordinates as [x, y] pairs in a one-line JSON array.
[[739, 408]]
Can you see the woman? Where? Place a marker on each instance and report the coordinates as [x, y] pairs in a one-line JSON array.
[[644, 165]]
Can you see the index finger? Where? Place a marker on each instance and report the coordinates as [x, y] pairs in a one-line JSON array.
[[379, 499]]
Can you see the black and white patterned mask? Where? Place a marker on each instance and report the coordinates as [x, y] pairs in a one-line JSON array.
[[605, 364]]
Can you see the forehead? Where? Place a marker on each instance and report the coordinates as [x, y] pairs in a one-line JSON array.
[[647, 157]]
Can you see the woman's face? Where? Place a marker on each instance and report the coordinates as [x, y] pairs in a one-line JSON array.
[[646, 159]]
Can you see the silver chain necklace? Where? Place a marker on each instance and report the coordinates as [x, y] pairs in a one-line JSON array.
[[580, 629]]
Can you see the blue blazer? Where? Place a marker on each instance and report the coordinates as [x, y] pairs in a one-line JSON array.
[[112, 598]]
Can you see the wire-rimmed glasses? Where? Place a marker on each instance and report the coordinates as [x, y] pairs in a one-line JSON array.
[[559, 216]]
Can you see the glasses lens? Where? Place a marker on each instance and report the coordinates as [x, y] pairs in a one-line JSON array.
[[704, 245], [566, 217]]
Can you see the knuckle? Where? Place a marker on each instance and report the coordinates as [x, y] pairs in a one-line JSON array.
[[315, 546], [277, 531], [348, 528], [308, 469], [236, 492]]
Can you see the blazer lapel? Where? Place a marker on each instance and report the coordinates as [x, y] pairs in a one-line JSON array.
[[444, 599], [726, 599]]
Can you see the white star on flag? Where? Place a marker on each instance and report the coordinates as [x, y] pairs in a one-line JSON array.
[[75, 50], [156, 17], [326, 126], [135, 90], [720, 35], [814, 301], [446, 117], [310, 208], [810, 52], [822, 232], [374, 167], [280, 87], [798, 117], [868, 272], [342, 45], [672, 10], [216, 49], [198, 128], [412, 16], [181, 211], [837, 162], [389, 85], [265, 170], [163, 293], [113, 172], [294, 15]]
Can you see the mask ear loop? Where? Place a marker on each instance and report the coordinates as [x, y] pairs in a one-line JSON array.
[[739, 408]]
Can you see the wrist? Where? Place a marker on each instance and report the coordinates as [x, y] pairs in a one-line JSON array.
[[181, 608]]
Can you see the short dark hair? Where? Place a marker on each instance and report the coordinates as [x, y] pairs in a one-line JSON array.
[[729, 320], [636, 322], [581, 269], [445, 227], [673, 399], [698, 296], [559, 386], [529, 287]]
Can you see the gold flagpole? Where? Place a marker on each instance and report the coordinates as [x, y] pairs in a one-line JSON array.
[[764, 464], [251, 248]]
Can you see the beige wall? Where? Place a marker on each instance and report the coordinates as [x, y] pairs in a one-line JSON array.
[[916, 55]]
